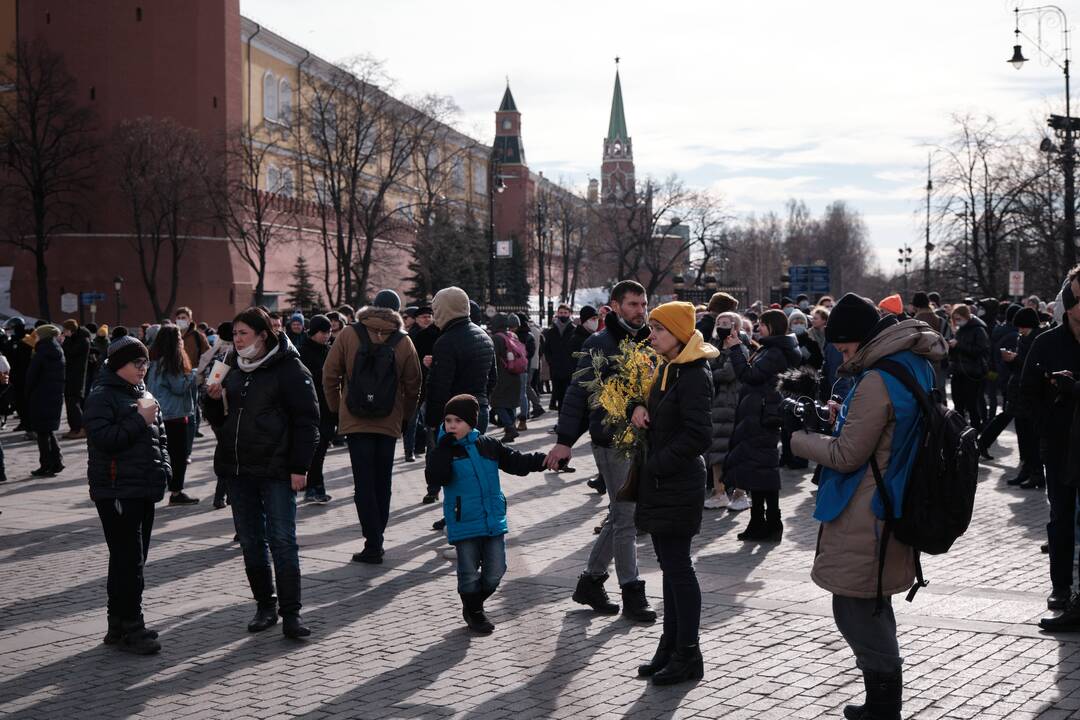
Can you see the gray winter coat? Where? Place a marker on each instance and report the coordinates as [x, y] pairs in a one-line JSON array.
[[724, 402]]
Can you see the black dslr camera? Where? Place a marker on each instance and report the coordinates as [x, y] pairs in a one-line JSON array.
[[804, 411]]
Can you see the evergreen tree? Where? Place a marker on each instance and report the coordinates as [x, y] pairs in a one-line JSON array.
[[302, 295], [447, 254]]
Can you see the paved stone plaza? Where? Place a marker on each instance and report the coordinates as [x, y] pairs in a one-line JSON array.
[[388, 641]]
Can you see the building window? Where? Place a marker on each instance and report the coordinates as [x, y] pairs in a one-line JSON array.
[[479, 177], [320, 189], [458, 173], [270, 96], [273, 178], [285, 102], [288, 187]]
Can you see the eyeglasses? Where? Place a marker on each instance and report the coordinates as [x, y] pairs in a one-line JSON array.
[[140, 364]]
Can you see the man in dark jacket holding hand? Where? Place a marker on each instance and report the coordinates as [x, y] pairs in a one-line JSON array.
[[1048, 383], [558, 349], [128, 468], [617, 539]]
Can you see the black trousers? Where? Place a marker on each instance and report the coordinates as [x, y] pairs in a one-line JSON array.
[[127, 524], [559, 386], [372, 457], [993, 429], [966, 394], [1061, 530], [682, 594], [1028, 440], [176, 438], [74, 405], [316, 485], [49, 450]]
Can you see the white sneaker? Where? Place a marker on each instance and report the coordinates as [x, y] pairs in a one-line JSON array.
[[717, 501], [739, 503], [450, 554]]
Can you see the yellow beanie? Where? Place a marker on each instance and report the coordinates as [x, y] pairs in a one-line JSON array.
[[678, 317]]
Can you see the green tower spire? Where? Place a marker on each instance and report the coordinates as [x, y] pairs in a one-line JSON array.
[[617, 124]]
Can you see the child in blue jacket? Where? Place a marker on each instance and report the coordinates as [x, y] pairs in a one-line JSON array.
[[467, 465]]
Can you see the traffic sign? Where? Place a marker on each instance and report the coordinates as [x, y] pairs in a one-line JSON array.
[[69, 302], [1016, 282], [89, 298]]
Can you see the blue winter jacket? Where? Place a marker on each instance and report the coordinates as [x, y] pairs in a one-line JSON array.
[[174, 393], [473, 502]]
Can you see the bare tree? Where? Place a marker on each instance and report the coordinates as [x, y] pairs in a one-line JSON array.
[[51, 151], [254, 219], [983, 181], [707, 218], [161, 170], [638, 233], [757, 253]]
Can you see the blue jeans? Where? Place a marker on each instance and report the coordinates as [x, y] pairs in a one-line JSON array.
[[372, 458], [506, 417], [264, 511], [523, 400], [481, 563]]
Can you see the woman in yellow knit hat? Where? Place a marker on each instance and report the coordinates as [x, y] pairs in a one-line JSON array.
[[671, 481]]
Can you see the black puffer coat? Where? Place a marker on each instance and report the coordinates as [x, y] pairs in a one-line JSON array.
[[575, 416], [753, 462], [725, 400], [76, 357], [671, 483], [462, 361], [423, 339], [313, 355], [559, 350], [45, 386], [127, 458], [272, 425], [971, 356]]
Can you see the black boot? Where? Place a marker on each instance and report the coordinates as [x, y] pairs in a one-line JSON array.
[[755, 529], [262, 588], [1068, 621], [635, 604], [288, 585], [884, 698], [659, 659], [1021, 476], [590, 591], [135, 639], [113, 634], [774, 528], [598, 484], [472, 609], [685, 664], [1034, 482]]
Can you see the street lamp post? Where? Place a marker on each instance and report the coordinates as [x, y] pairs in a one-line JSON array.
[[118, 285], [541, 237], [495, 185], [1064, 127], [905, 263], [929, 246]]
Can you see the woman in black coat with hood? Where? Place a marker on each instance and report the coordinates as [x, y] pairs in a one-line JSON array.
[[45, 398], [753, 462], [671, 481], [266, 415]]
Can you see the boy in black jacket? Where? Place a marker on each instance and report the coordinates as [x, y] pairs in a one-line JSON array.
[[128, 468]]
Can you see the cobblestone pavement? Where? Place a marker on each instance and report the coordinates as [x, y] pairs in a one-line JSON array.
[[388, 641]]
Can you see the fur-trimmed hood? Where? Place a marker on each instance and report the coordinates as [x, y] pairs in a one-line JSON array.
[[380, 318]]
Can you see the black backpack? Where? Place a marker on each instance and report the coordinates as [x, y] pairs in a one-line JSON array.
[[373, 386], [940, 493]]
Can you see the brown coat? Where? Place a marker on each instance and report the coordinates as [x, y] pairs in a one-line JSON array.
[[848, 547], [195, 344], [339, 366]]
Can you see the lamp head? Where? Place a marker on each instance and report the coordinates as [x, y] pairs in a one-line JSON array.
[[1017, 60]]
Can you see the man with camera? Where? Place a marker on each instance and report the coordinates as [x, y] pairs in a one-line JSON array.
[[880, 421], [1048, 382]]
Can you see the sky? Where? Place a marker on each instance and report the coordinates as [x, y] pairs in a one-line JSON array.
[[762, 101]]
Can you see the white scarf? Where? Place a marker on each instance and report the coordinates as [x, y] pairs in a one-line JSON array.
[[250, 365]]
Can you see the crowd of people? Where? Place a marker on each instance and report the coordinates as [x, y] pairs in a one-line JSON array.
[[278, 391]]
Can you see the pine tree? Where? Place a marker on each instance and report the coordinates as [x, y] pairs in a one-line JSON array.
[[445, 254], [302, 295]]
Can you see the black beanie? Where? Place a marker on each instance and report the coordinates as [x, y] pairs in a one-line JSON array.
[[920, 300], [123, 350], [587, 312], [317, 324], [1011, 312], [224, 331], [852, 319], [465, 407], [1026, 318]]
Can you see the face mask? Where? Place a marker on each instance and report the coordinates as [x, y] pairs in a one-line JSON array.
[[250, 352], [183, 325], [562, 320], [798, 329], [804, 305], [960, 324], [591, 324], [722, 333]]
